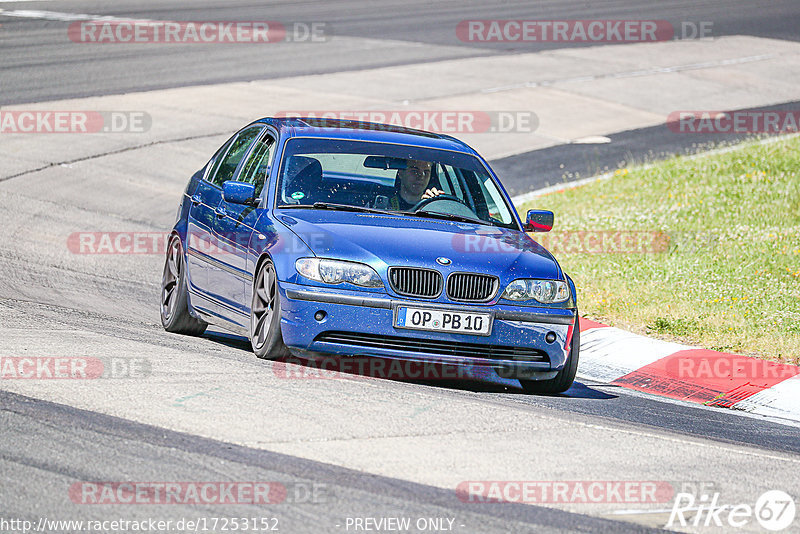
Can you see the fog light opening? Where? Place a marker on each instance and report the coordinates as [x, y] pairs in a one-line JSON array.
[[320, 315], [550, 337]]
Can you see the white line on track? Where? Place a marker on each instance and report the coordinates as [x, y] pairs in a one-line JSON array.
[[57, 15]]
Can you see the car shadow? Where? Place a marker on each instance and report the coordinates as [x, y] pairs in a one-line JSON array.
[[577, 391], [229, 340], [478, 380]]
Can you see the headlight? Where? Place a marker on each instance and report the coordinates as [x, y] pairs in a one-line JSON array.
[[544, 291], [337, 272]]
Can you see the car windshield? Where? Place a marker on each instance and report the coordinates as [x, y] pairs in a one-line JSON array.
[[389, 177]]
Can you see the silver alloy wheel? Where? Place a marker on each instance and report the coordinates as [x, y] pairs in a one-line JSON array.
[[171, 279], [263, 306]]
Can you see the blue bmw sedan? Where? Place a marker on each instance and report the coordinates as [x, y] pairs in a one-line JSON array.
[[317, 237]]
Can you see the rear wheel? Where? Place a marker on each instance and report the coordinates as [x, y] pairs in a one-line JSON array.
[[174, 299], [566, 376], [265, 315]]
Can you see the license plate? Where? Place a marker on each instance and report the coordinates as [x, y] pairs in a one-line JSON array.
[[437, 320]]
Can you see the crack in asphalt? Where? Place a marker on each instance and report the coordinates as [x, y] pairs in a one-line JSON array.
[[110, 153], [61, 267]]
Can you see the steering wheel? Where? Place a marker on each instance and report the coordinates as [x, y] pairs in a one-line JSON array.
[[425, 201]]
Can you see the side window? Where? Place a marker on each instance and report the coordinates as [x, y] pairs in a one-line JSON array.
[[254, 170], [226, 166], [213, 165]]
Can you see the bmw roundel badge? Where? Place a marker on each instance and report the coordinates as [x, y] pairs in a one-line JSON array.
[[443, 261]]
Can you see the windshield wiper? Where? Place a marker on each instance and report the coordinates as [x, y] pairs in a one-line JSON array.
[[450, 217], [347, 207], [361, 209], [337, 207]]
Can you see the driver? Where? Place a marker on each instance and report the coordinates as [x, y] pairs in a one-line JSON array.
[[413, 185]]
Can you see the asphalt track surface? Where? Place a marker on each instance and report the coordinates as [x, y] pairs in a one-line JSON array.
[[38, 65], [45, 446], [73, 440], [567, 162]]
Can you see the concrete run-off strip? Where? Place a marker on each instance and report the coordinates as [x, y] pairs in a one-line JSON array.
[[573, 93]]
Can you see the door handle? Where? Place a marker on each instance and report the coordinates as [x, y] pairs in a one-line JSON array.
[[221, 213], [196, 200]]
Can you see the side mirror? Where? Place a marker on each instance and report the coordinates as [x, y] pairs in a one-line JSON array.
[[539, 221], [238, 192]]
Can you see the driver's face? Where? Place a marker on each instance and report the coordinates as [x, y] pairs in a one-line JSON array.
[[415, 177]]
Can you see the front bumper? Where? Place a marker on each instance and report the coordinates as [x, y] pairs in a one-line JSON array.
[[360, 323]]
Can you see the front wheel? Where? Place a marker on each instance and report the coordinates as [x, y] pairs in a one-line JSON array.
[[566, 376], [265, 315], [174, 299]]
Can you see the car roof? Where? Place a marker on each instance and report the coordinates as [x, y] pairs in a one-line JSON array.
[[364, 131]]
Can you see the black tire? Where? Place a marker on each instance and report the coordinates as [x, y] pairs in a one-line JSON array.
[[265, 315], [566, 376], [174, 308]]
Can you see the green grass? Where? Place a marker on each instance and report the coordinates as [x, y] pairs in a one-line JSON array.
[[712, 255]]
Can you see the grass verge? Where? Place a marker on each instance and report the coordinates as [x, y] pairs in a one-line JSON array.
[[702, 250]]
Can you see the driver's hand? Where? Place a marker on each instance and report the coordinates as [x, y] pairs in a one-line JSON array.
[[432, 192]]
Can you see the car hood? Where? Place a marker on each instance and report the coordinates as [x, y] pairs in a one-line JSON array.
[[389, 240]]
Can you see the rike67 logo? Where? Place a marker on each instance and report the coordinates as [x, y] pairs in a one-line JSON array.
[[774, 510]]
